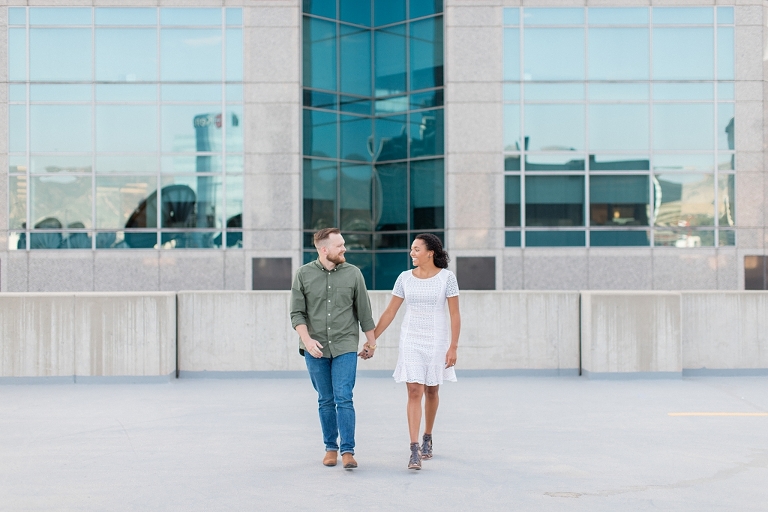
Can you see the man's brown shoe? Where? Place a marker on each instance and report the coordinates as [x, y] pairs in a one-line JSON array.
[[330, 458], [348, 460]]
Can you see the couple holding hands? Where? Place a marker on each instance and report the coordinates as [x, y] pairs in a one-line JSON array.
[[329, 303]]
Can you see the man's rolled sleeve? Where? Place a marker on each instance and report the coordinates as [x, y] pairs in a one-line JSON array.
[[298, 303], [363, 304]]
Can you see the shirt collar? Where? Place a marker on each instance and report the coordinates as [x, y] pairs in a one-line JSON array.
[[321, 267]]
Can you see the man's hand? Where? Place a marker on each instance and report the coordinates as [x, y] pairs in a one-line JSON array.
[[314, 348], [367, 351]]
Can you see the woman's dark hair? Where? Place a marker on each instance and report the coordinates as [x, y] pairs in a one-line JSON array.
[[434, 244]]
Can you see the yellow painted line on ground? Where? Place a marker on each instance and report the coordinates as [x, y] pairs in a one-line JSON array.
[[718, 414]]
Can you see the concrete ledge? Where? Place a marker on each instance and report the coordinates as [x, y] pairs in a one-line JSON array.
[[125, 379], [560, 372], [732, 372], [37, 380], [275, 374], [631, 375]]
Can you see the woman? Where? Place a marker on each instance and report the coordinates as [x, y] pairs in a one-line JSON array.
[[427, 352]]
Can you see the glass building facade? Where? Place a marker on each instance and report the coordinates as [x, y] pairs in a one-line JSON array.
[[619, 126], [125, 128], [373, 128]]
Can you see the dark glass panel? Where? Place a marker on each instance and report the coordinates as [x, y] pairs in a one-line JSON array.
[[391, 241], [320, 133], [619, 200], [391, 140], [309, 256], [319, 54], [319, 194], [554, 201], [309, 240], [388, 11], [355, 55], [512, 162], [355, 11], [358, 241], [419, 8], [356, 201], [511, 201], [427, 99], [427, 133], [619, 163], [564, 162], [319, 99], [427, 194], [554, 238], [426, 53], [727, 238], [391, 197], [325, 8], [389, 265], [355, 133], [512, 239], [390, 55], [363, 261], [356, 105], [619, 238], [189, 239]]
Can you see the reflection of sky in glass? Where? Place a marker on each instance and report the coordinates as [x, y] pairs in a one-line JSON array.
[[126, 55], [60, 54], [118, 196], [683, 91], [126, 16], [17, 54], [190, 55], [511, 54], [683, 15], [618, 15], [619, 53], [609, 92], [190, 16], [553, 16], [725, 125], [683, 162], [512, 128], [60, 128], [618, 127], [60, 16], [725, 68], [126, 128], [178, 127], [554, 54], [683, 53], [554, 127], [683, 126]]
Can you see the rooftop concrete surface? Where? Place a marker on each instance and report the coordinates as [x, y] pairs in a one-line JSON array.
[[501, 443]]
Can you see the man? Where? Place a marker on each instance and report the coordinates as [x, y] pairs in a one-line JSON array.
[[328, 302]]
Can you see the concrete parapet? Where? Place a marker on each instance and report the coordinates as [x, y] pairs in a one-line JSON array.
[[725, 331], [631, 334]]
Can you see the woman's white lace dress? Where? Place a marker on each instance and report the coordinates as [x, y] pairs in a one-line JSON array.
[[425, 335]]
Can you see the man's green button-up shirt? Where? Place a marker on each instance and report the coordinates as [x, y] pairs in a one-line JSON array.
[[331, 303]]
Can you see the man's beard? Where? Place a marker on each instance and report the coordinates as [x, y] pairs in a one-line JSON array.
[[337, 260]]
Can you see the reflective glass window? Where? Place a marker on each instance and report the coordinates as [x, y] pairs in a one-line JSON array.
[[190, 93], [554, 127], [325, 8], [610, 238], [427, 194], [60, 163], [554, 201], [320, 134], [427, 137], [127, 163], [190, 54], [60, 54], [512, 16], [511, 92], [426, 57], [619, 127], [391, 138], [612, 92], [601, 162], [234, 16], [388, 267], [554, 238], [555, 162], [126, 55], [234, 93], [619, 54], [683, 53], [391, 11], [683, 15], [124, 93], [726, 91], [618, 15], [17, 163], [60, 128], [319, 194], [59, 16], [191, 164], [118, 197], [683, 238], [191, 202], [126, 16], [356, 200], [556, 16], [725, 125], [233, 127], [234, 55], [726, 200], [557, 91], [683, 162], [190, 16], [319, 54], [619, 200], [17, 128], [355, 55], [124, 128], [61, 201], [355, 11], [17, 16], [725, 53], [391, 201], [554, 54], [354, 141], [188, 128], [17, 206], [725, 15], [512, 239], [60, 92], [511, 201], [683, 126], [684, 200], [427, 99], [356, 105], [233, 213], [17, 54], [511, 54], [419, 8], [390, 57], [512, 141], [665, 91]]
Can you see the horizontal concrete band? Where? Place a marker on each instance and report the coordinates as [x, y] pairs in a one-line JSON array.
[[145, 337]]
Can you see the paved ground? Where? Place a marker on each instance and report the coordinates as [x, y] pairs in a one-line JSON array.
[[501, 443]]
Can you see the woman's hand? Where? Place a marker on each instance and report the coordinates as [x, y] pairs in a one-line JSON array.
[[450, 357]]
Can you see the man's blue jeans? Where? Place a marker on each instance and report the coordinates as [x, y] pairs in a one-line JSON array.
[[333, 380]]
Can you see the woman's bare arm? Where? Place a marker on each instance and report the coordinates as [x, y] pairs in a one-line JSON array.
[[388, 315]]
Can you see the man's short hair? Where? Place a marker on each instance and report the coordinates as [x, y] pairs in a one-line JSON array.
[[324, 234]]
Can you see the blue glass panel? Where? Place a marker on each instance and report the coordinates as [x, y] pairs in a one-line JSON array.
[[17, 208], [190, 128], [122, 128], [618, 15], [60, 16], [60, 54], [611, 92], [726, 91], [393, 104], [17, 16], [512, 141], [234, 129], [190, 164], [553, 92], [725, 15], [511, 201], [427, 99], [17, 92], [325, 8], [557, 162], [319, 54], [190, 55], [554, 201], [60, 92], [391, 138], [125, 16], [234, 16], [127, 163], [683, 126], [511, 92], [17, 128], [190, 16], [512, 16], [356, 201], [389, 265], [309, 256], [683, 162], [512, 239], [355, 105], [391, 240], [126, 55], [619, 200], [355, 132], [40, 164], [126, 93], [553, 16], [512, 162], [511, 54], [17, 54], [388, 11], [363, 261], [619, 238], [619, 53], [355, 11], [191, 202], [725, 53], [319, 99], [234, 164], [554, 127], [427, 194], [61, 201], [683, 15], [390, 55], [419, 8], [619, 127], [234, 55], [427, 137], [619, 162], [554, 54], [391, 197], [682, 200], [320, 133], [234, 93], [725, 125], [554, 238], [685, 91], [60, 128], [426, 53], [683, 54], [319, 194], [355, 59], [191, 93]]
